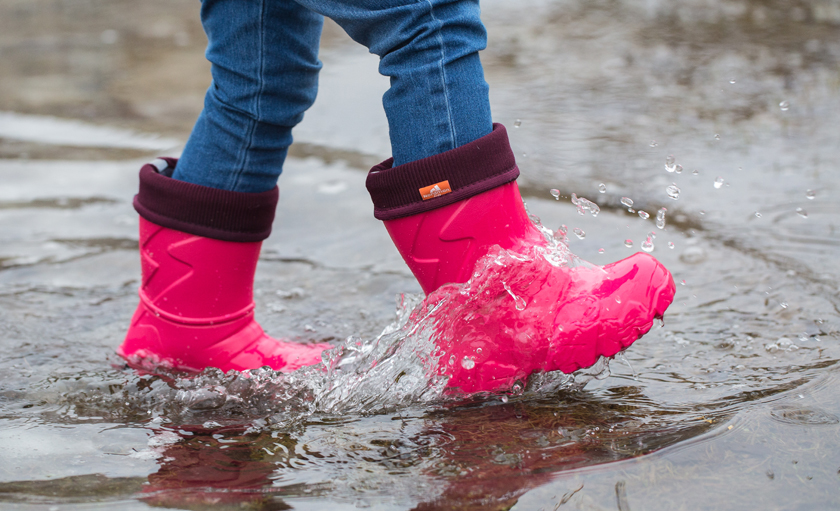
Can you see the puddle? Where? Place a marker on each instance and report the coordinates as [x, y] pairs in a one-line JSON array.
[[732, 404]]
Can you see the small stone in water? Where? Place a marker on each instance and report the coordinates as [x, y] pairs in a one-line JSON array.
[[627, 201], [579, 233], [555, 193], [718, 182], [602, 188], [628, 243], [670, 163], [810, 194], [468, 363], [517, 123], [673, 191], [801, 212], [671, 245], [784, 105], [643, 215]]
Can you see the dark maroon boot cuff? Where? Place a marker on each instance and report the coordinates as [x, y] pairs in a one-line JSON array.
[[204, 211], [443, 179]]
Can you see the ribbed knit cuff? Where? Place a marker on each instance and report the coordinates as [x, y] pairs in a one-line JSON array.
[[201, 210], [442, 179]]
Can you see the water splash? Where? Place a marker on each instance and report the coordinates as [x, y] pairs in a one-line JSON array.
[[660, 218], [643, 215], [584, 205], [627, 202], [673, 191], [555, 193]]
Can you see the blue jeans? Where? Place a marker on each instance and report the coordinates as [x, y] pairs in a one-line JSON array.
[[264, 56]]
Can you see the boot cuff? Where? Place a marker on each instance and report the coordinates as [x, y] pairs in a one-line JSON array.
[[443, 179], [204, 211]]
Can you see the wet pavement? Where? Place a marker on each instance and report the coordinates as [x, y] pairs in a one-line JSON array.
[[732, 404]]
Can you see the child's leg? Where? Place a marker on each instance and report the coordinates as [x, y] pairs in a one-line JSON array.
[[264, 57], [438, 98]]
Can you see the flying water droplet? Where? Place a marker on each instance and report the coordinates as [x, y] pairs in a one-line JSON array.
[[671, 245], [810, 194], [679, 169], [517, 123], [647, 245], [673, 191], [653, 143], [579, 233], [670, 164], [695, 172], [784, 105], [628, 243], [644, 215], [602, 188], [600, 250], [468, 363], [660, 218], [784, 305], [718, 182], [682, 282], [518, 301], [584, 205], [504, 399], [801, 212], [555, 193], [627, 202], [717, 136], [732, 81], [757, 214]]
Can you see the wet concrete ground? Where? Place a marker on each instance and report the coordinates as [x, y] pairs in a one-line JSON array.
[[733, 404]]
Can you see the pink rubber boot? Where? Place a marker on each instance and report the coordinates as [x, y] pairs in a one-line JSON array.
[[533, 315], [196, 297]]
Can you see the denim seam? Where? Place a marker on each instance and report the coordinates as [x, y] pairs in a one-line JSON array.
[[453, 135], [257, 107]]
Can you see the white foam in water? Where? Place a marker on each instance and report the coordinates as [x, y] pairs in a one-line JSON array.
[[52, 130]]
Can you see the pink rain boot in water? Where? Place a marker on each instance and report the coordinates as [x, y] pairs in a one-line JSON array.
[[446, 212], [199, 248]]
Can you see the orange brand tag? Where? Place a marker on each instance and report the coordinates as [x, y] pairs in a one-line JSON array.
[[436, 190]]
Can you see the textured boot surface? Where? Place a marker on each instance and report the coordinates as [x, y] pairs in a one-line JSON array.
[[525, 309], [196, 308]]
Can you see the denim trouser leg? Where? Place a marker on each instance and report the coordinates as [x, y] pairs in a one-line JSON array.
[[265, 66]]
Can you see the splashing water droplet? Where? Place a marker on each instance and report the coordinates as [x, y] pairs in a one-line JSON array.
[[653, 143], [757, 214], [673, 191], [717, 137], [600, 250], [602, 188], [660, 218], [784, 105], [518, 301], [584, 205], [718, 182], [617, 299], [810, 194], [643, 215], [579, 233], [801, 212], [682, 282], [647, 245], [702, 212], [695, 172], [784, 305], [534, 219], [555, 193], [517, 123], [671, 245], [468, 363], [628, 243], [679, 169], [504, 399], [732, 81], [627, 202], [670, 165], [517, 389]]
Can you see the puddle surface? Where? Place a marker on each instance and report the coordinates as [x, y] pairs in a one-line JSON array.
[[732, 404]]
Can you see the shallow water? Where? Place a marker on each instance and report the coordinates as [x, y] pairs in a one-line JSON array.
[[732, 404]]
